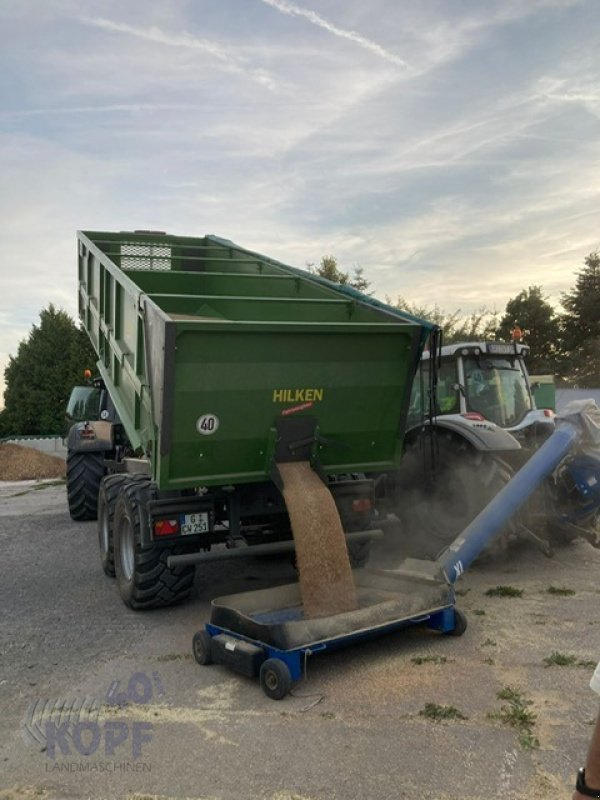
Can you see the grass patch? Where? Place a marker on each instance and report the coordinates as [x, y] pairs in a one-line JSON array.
[[489, 643], [58, 482], [504, 591], [516, 713], [479, 612], [462, 592], [489, 660], [563, 591], [438, 713], [557, 659], [418, 660]]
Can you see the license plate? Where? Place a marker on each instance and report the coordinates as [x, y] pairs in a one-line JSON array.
[[194, 523]]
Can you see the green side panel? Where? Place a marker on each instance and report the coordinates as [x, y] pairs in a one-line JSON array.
[[356, 383], [192, 326]]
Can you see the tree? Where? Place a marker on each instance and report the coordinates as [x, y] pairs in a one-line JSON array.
[[39, 379], [477, 326], [581, 326], [328, 268], [532, 312]]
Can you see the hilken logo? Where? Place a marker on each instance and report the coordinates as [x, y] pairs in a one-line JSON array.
[[297, 395]]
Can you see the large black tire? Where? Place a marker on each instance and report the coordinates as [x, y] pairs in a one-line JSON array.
[[84, 474], [433, 512], [107, 500], [143, 577]]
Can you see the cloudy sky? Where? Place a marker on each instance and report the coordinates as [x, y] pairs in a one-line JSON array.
[[449, 147]]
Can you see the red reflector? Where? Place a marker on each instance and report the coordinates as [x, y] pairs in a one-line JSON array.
[[362, 504], [474, 415], [549, 413], [166, 527]]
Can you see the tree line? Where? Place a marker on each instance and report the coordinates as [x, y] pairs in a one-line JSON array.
[[52, 358], [564, 343]]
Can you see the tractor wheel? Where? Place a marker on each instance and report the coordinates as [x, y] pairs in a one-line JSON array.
[[436, 503], [84, 474], [143, 577], [107, 500], [275, 678]]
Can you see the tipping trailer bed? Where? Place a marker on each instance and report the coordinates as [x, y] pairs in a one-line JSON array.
[[187, 329], [216, 364]]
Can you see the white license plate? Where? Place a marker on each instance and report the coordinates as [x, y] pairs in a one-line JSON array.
[[194, 523]]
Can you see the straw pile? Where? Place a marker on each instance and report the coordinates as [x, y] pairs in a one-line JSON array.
[[326, 581], [19, 463]]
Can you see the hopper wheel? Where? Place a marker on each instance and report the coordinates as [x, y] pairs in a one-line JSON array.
[[275, 678]]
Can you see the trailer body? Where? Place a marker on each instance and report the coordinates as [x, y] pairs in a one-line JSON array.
[[203, 346], [216, 363]]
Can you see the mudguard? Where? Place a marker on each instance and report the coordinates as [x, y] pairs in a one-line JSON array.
[[90, 437], [483, 435]]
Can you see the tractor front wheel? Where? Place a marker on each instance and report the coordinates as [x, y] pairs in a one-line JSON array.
[[84, 474]]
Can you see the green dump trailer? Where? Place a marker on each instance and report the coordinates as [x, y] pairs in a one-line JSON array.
[[214, 365]]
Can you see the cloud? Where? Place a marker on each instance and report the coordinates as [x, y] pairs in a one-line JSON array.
[[227, 58], [297, 11]]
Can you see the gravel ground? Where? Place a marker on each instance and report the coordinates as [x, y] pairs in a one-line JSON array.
[[69, 649]]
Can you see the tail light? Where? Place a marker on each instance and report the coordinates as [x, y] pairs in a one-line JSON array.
[[362, 504], [166, 527], [548, 412]]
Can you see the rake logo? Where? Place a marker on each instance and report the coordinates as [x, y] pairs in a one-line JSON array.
[[57, 714]]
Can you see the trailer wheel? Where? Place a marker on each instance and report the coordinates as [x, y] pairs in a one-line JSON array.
[[143, 577], [460, 624], [275, 678], [107, 500], [201, 648], [84, 474]]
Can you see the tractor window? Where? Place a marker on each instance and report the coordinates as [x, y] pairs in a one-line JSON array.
[[84, 404], [448, 400], [497, 389]]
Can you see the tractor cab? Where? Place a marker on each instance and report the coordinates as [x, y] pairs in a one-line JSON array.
[[483, 381]]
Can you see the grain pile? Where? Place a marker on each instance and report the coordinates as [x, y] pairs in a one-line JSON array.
[[19, 463], [326, 581]]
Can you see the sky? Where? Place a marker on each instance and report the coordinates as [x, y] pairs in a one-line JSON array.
[[451, 148]]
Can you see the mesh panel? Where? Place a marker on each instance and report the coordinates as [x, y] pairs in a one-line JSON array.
[[145, 256]]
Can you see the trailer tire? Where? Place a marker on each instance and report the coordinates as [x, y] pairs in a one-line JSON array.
[[143, 577], [275, 678], [107, 499], [84, 474]]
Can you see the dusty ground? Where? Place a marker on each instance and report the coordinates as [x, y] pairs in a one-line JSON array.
[[18, 463], [352, 730]]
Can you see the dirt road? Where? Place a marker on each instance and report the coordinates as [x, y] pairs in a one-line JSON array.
[[365, 723]]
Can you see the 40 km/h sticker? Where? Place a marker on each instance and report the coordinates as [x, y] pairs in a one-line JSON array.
[[207, 424]]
